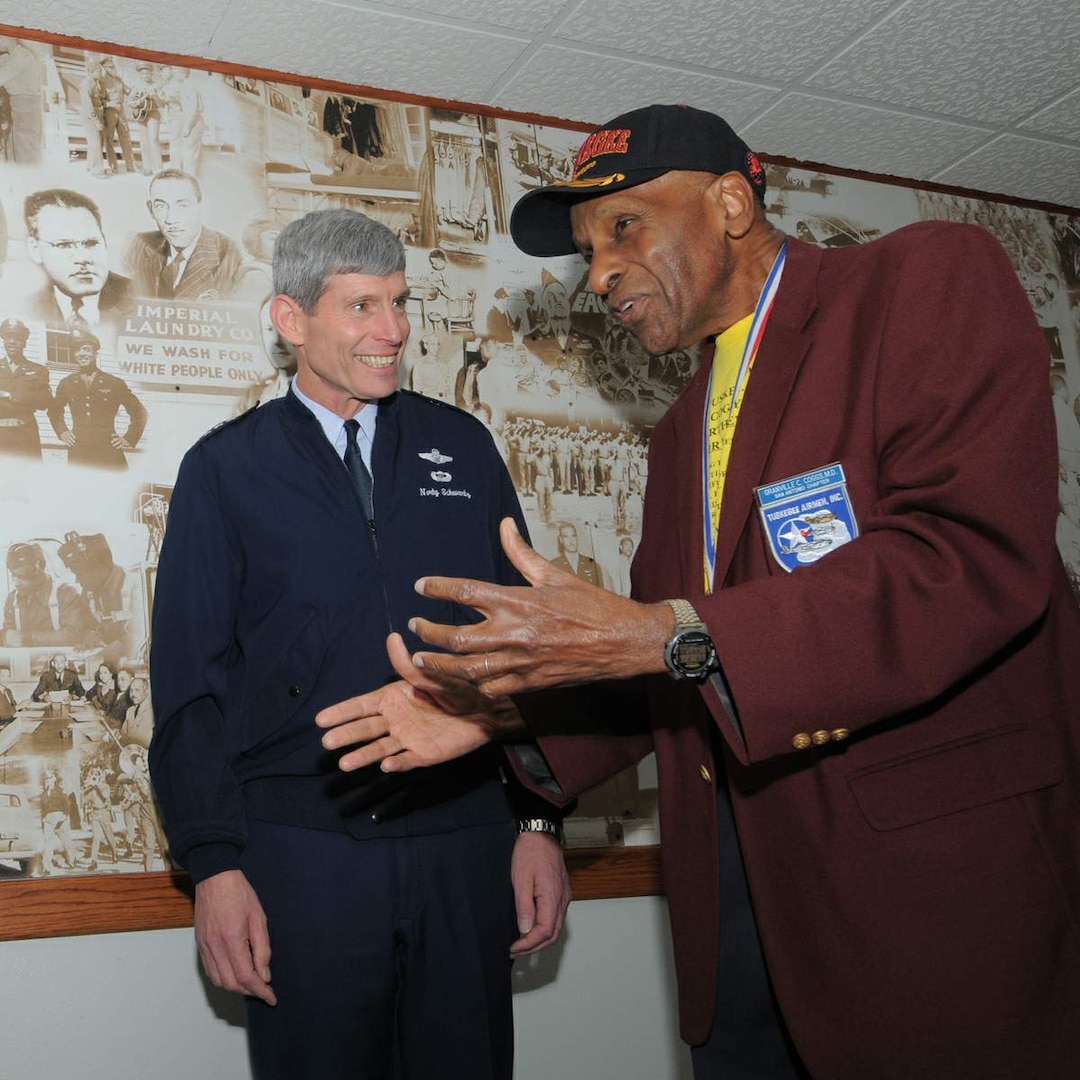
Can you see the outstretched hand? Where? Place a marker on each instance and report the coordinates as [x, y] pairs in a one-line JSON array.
[[425, 719], [557, 630]]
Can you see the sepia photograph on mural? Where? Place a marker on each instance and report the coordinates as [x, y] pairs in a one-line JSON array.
[[139, 204]]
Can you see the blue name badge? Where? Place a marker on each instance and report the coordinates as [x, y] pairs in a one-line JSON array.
[[807, 516]]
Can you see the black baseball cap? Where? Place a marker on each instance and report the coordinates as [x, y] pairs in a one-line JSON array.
[[632, 149]]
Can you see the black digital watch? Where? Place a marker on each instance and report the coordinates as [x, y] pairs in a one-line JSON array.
[[690, 653]]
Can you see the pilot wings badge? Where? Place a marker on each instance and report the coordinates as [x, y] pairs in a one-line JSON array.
[[435, 457]]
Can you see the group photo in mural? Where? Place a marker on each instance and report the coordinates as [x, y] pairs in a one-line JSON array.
[[139, 204]]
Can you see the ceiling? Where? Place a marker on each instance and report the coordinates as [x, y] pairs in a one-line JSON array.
[[980, 94]]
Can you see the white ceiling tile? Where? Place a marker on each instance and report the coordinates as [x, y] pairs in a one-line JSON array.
[[390, 52], [771, 39], [178, 28], [858, 137], [1061, 120], [582, 86], [980, 59], [527, 15], [1027, 168]]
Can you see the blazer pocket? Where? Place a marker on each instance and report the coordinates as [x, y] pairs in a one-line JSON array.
[[283, 682], [954, 777]]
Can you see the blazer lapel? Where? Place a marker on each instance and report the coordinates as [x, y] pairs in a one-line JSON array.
[[782, 351], [687, 455]]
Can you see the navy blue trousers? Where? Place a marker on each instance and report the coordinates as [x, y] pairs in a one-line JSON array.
[[390, 958], [749, 1040]]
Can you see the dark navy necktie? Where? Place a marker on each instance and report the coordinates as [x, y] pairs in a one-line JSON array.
[[354, 462]]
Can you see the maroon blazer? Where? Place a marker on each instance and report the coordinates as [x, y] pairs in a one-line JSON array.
[[904, 771]]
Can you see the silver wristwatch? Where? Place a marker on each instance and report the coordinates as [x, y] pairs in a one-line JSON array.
[[690, 653]]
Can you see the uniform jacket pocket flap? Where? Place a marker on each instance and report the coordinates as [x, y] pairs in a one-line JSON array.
[[285, 683], [954, 777]]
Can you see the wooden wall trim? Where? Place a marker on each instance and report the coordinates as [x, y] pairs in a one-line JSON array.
[[112, 903]]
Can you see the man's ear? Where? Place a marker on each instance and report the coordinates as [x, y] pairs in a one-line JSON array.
[[289, 319], [33, 248], [732, 199]]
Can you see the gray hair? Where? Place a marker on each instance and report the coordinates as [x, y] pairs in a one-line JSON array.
[[312, 249]]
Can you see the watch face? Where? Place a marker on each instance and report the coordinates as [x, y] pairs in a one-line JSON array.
[[693, 654]]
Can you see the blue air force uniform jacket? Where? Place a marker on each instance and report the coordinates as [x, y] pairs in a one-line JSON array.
[[274, 598]]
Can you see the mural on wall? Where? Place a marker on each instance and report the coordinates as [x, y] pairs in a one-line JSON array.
[[138, 209]]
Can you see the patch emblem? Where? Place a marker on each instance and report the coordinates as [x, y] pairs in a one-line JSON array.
[[807, 516], [435, 457]]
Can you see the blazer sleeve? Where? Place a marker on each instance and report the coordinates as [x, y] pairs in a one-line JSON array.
[[583, 735], [198, 583]]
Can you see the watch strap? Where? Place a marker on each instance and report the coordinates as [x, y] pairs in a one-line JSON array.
[[541, 825], [685, 616]]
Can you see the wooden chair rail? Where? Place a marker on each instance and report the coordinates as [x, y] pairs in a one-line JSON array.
[[110, 903]]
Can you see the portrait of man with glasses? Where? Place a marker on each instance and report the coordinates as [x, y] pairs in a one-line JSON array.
[[65, 238]]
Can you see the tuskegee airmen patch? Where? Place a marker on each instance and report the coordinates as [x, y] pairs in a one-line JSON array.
[[807, 516]]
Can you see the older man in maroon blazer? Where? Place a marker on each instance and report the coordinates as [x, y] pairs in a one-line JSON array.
[[869, 752]]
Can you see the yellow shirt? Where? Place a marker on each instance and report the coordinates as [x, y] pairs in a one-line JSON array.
[[722, 416]]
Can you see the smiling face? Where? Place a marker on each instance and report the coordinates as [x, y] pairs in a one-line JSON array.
[[70, 248], [349, 347], [86, 357], [14, 336], [657, 257], [176, 210]]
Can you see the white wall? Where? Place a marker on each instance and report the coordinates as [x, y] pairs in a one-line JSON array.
[[118, 1006]]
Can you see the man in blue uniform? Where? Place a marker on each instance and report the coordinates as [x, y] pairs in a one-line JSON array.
[[295, 534]]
